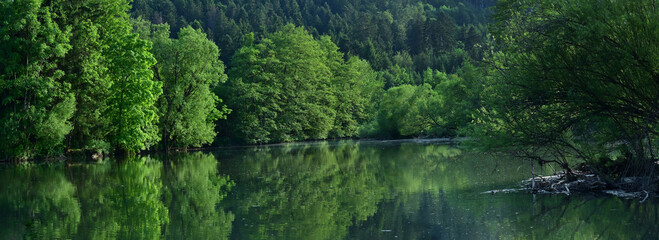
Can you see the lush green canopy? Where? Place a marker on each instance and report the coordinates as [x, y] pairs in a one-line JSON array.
[[83, 76], [36, 104], [290, 86], [575, 79], [189, 69]]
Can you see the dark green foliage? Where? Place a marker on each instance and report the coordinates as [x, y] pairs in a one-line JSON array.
[[94, 25], [291, 87], [38, 202], [374, 30], [35, 105], [79, 76], [280, 89], [357, 90], [94, 77], [109, 69], [440, 107], [130, 110], [400, 115], [75, 70], [575, 80]]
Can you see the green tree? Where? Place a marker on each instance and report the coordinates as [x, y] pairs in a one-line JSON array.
[[86, 66], [131, 110], [357, 90], [458, 100], [36, 104], [280, 89], [374, 30], [575, 80], [443, 106], [355, 86], [108, 70], [189, 69], [400, 112]]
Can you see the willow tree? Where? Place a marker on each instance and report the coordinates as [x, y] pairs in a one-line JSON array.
[[576, 80]]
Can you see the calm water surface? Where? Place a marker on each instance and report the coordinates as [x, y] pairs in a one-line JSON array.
[[328, 190]]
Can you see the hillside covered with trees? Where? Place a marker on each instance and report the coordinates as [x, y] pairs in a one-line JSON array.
[[121, 76]]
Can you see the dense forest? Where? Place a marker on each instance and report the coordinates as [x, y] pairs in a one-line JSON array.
[[347, 53], [571, 83], [115, 76]]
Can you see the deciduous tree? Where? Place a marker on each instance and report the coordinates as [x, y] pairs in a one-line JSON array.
[[35, 105]]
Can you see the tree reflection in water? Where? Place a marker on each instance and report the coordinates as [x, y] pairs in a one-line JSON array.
[[37, 203]]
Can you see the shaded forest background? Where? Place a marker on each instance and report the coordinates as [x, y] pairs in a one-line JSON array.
[[411, 34]]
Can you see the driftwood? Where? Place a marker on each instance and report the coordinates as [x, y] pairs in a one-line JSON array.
[[580, 183], [560, 184]]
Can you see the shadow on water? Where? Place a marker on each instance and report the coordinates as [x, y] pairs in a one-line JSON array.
[[336, 190]]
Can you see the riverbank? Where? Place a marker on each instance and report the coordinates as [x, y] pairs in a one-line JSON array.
[[87, 155]]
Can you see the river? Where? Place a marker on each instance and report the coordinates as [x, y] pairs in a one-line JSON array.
[[322, 190]]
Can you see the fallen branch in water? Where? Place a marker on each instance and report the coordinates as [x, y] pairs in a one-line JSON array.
[[582, 182]]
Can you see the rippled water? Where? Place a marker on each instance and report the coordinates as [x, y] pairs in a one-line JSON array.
[[327, 190]]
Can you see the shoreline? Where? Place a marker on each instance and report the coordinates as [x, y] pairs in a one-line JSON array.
[[78, 155]]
